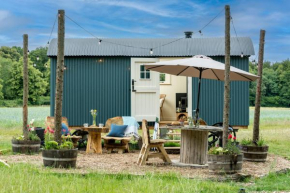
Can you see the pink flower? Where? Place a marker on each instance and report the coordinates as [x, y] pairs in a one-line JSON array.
[[235, 138], [230, 136], [63, 130]]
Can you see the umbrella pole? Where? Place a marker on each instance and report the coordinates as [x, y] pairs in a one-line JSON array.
[[198, 95]]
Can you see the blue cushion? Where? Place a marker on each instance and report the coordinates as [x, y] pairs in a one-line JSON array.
[[64, 129], [117, 130]]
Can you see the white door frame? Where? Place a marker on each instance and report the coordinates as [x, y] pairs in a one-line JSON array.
[[189, 96], [134, 76]]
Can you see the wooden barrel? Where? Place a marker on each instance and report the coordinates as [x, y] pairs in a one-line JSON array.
[[225, 163], [60, 158], [255, 153], [25, 146]]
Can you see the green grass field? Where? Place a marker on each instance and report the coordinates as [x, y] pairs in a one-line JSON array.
[[275, 129]]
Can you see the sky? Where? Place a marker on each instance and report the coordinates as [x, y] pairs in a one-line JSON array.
[[148, 19]]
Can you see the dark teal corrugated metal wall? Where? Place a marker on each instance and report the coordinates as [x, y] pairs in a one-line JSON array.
[[91, 85], [212, 92]]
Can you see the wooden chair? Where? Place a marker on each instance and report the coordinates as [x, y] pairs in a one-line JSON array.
[[110, 142], [49, 122], [162, 96], [145, 153]]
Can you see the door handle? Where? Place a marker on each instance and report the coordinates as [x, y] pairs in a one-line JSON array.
[[133, 84]]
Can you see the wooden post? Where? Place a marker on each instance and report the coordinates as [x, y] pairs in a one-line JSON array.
[[256, 127], [25, 86], [59, 77], [227, 76]]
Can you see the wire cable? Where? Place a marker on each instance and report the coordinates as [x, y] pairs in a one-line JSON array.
[[52, 29], [236, 35]]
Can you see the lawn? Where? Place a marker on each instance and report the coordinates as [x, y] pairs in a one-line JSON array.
[[275, 129]]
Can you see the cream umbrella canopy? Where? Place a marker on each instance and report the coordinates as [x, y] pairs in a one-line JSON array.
[[202, 67]]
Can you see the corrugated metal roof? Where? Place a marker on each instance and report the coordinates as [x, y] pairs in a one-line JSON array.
[[183, 47]]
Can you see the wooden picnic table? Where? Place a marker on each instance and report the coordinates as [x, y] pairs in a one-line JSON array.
[[194, 143], [94, 144]]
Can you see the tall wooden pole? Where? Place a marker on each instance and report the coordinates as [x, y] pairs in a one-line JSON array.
[[227, 76], [256, 127], [59, 77], [25, 86]]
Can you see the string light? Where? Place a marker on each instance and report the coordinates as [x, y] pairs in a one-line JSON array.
[[254, 62], [46, 66], [64, 68], [151, 51], [28, 52], [37, 58], [200, 32], [100, 41], [242, 55], [34, 65]]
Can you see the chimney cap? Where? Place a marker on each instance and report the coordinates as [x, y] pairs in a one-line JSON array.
[[188, 34]]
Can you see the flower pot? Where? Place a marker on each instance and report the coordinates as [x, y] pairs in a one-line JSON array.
[[65, 158], [255, 153], [228, 164], [25, 146]]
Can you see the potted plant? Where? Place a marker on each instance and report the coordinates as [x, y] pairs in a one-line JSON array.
[[254, 151], [227, 160], [29, 145], [57, 155]]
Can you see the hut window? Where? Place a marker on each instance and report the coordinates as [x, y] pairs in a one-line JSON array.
[[144, 74]]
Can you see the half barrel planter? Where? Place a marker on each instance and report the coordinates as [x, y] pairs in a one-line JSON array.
[[25, 146], [229, 164], [65, 158], [255, 153]]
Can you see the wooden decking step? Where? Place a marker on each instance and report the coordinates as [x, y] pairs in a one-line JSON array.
[[171, 147]]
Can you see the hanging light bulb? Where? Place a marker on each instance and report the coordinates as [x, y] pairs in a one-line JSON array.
[[37, 58], [254, 62], [34, 65], [242, 55], [200, 32], [28, 52], [64, 68], [48, 43], [151, 51], [100, 42], [46, 66]]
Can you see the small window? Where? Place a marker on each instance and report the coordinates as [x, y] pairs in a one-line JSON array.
[[162, 77], [144, 74]]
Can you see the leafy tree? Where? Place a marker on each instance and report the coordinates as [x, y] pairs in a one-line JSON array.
[[37, 85], [40, 54], [13, 53], [5, 70]]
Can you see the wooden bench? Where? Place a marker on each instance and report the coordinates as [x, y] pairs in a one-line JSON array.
[[110, 143]]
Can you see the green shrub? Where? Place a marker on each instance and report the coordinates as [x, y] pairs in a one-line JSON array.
[[43, 100], [32, 136], [51, 145], [246, 142], [171, 144], [67, 145]]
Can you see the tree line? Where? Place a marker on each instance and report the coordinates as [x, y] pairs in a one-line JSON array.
[[11, 76], [275, 86]]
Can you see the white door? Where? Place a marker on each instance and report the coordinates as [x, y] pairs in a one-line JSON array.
[[144, 90]]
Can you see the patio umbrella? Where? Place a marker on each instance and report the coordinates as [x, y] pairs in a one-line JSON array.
[[202, 67]]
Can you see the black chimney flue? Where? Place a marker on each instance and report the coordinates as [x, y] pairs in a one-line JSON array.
[[188, 34]]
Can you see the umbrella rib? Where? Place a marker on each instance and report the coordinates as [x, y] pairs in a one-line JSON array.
[[182, 71], [154, 67], [244, 76], [215, 75]]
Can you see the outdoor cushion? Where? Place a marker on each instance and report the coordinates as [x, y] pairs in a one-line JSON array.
[[117, 130], [64, 129]]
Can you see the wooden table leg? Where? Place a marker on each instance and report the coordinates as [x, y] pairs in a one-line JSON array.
[[194, 146], [94, 144]]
